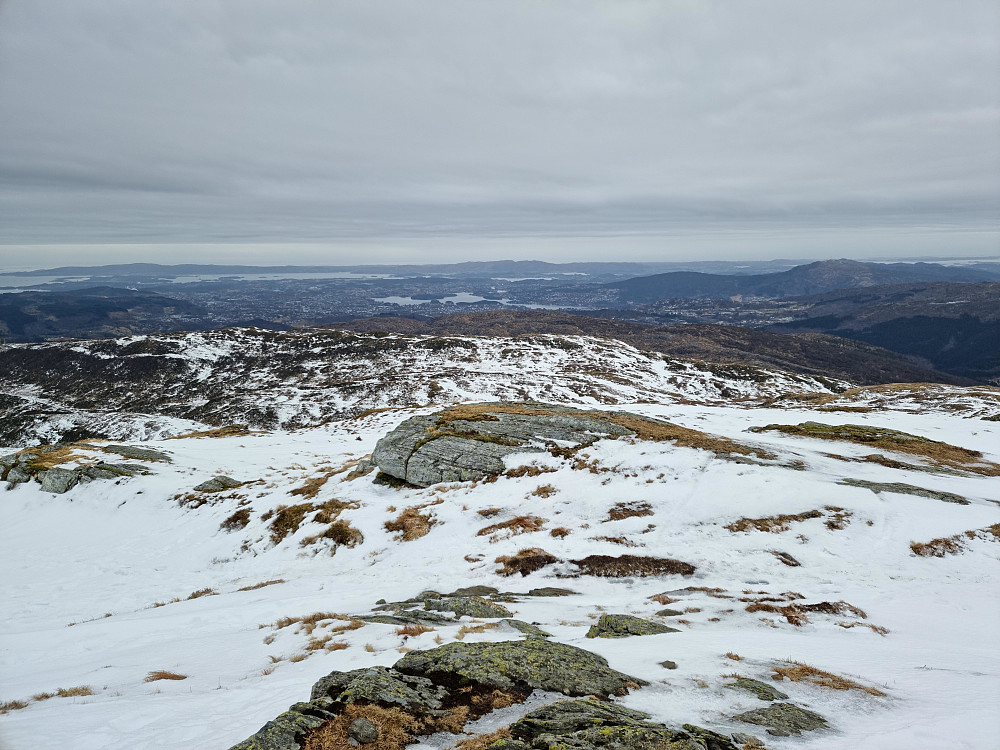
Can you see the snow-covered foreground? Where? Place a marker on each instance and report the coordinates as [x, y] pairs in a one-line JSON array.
[[84, 570]]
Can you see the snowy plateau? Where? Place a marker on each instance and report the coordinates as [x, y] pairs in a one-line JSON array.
[[144, 608]]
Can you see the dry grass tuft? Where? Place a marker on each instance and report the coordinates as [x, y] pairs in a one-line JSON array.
[[525, 561], [627, 566], [236, 521], [798, 672], [874, 628], [623, 541], [411, 524], [663, 599], [560, 532], [308, 623], [8, 706], [286, 519], [341, 533], [480, 628], [532, 470], [412, 629], [796, 614], [953, 545], [395, 729], [232, 430], [734, 657], [490, 512], [161, 674], [513, 527], [771, 524], [202, 592], [262, 584], [544, 491], [622, 511], [938, 453], [482, 741]]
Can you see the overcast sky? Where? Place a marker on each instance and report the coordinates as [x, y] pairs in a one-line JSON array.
[[456, 129]]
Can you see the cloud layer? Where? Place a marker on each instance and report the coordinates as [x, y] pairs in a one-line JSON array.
[[344, 121]]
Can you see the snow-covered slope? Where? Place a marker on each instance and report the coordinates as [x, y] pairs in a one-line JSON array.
[[146, 387], [100, 582]]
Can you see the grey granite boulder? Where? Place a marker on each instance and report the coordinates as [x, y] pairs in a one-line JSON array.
[[142, 454], [17, 475], [623, 626], [471, 442], [473, 606], [783, 719], [57, 480], [528, 664], [217, 484]]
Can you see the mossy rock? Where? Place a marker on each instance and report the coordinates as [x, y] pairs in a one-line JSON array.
[[784, 719], [532, 631], [529, 664], [285, 731], [591, 724], [623, 626], [381, 686], [761, 689], [472, 606]]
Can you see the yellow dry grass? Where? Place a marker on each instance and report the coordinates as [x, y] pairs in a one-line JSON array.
[[771, 524], [798, 672], [953, 545], [232, 430], [162, 674], [411, 524], [513, 527]]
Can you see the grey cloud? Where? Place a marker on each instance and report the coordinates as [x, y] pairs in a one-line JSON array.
[[309, 120]]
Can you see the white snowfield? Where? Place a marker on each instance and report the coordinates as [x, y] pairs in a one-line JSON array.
[[85, 570]]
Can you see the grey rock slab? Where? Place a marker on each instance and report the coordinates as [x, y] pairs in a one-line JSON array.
[[531, 663], [623, 626], [472, 606], [527, 628], [669, 613], [901, 488], [550, 591], [784, 719], [667, 664], [142, 454], [217, 484], [58, 480], [475, 591], [425, 450], [742, 738], [761, 689]]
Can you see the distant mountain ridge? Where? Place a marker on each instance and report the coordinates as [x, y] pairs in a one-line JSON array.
[[813, 278]]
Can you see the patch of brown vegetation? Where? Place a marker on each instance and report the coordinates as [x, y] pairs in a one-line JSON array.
[[411, 524], [798, 672], [395, 729], [478, 628], [341, 533], [734, 657], [202, 592], [560, 532], [838, 519], [513, 527], [525, 561], [482, 741], [489, 512], [286, 519], [635, 509], [232, 430], [236, 521], [162, 674], [937, 453], [663, 599], [314, 484], [624, 542], [531, 470], [772, 524], [261, 585], [308, 623], [412, 629], [874, 628], [8, 706], [953, 545], [796, 614], [627, 566]]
